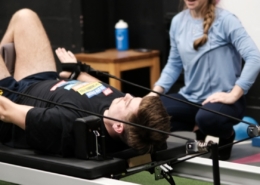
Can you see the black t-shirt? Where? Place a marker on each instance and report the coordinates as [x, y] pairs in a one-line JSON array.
[[49, 126]]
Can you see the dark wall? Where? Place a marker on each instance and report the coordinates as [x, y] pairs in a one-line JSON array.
[[253, 101], [61, 19], [146, 30], [148, 22], [98, 28], [88, 25]]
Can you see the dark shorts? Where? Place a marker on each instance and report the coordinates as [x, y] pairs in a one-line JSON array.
[[20, 86], [9, 134]]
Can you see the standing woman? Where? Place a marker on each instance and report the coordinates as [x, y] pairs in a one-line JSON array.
[[208, 44]]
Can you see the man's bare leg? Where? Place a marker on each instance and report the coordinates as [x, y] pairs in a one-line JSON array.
[[33, 49], [11, 112]]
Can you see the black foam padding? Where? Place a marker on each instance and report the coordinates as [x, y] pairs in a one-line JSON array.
[[174, 150], [86, 169]]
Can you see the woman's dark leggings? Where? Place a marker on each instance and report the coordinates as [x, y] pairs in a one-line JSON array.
[[184, 116]]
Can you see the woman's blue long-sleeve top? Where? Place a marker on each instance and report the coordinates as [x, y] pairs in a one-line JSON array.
[[214, 67]]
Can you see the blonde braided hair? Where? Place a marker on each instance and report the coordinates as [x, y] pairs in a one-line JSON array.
[[208, 12]]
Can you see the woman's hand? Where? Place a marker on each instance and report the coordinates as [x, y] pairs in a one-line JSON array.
[[226, 98], [220, 97], [158, 89]]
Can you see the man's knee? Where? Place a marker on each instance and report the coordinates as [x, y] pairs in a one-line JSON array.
[[24, 14]]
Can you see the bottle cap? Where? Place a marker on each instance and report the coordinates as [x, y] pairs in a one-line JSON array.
[[121, 24]]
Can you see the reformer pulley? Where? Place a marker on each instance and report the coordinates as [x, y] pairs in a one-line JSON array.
[[253, 131], [194, 146]]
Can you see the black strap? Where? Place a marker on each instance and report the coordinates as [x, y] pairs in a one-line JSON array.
[[75, 68]]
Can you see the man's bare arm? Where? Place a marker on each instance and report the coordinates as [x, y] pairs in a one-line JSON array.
[[11, 112]]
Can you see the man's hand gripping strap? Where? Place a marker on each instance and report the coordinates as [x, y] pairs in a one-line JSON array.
[[75, 68]]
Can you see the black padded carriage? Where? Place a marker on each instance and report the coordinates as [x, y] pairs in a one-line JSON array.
[[86, 169]]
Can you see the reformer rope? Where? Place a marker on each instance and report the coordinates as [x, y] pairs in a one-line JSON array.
[[175, 162], [173, 98], [186, 102], [92, 113], [78, 67], [137, 125]]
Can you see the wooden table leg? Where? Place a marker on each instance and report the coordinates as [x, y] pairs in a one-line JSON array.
[[114, 69], [154, 71]]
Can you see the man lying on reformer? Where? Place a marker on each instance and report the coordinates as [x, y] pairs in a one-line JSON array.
[[45, 126]]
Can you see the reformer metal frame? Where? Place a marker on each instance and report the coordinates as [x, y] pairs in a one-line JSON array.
[[196, 168], [28, 176], [231, 173]]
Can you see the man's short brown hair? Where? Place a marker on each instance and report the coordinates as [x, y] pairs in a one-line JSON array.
[[151, 113]]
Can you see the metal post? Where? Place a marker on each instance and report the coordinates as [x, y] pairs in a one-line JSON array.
[[215, 163]]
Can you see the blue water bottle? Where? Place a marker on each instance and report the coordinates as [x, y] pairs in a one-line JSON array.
[[121, 34]]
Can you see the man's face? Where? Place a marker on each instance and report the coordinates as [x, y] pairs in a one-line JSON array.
[[121, 107]]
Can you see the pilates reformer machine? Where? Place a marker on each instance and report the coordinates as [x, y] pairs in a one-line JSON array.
[[93, 166]]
